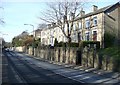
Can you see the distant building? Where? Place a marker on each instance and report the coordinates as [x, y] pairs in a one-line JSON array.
[[49, 34], [38, 33]]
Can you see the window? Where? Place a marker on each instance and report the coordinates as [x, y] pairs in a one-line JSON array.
[[43, 33], [79, 37], [80, 25], [94, 35], [43, 41], [65, 28], [87, 24], [87, 37], [74, 38], [95, 21], [74, 27]]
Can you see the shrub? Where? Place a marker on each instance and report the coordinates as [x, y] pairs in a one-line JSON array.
[[108, 40], [116, 63], [73, 44], [91, 43], [114, 53], [60, 44], [63, 44]]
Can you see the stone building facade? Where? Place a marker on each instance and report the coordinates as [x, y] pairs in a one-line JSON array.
[[49, 34], [94, 25], [88, 27]]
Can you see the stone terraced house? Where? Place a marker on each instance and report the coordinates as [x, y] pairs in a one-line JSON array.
[[94, 25], [89, 27], [49, 34]]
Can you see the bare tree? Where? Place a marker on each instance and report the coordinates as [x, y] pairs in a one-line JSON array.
[[1, 19], [63, 14]]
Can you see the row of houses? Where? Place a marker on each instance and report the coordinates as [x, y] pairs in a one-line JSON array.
[[87, 27]]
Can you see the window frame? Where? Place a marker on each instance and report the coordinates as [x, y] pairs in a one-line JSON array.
[[86, 36], [87, 24], [93, 35], [80, 25], [95, 19]]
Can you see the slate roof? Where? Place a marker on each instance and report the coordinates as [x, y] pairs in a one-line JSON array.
[[96, 12]]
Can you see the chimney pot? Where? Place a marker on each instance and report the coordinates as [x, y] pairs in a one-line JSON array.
[[94, 8], [49, 25]]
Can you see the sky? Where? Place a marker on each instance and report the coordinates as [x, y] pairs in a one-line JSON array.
[[16, 13]]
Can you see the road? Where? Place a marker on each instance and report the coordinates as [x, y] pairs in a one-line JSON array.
[[17, 68]]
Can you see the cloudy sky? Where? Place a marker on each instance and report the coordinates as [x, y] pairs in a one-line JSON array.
[[16, 13]]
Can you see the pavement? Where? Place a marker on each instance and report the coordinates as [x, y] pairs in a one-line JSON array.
[[0, 66], [77, 73]]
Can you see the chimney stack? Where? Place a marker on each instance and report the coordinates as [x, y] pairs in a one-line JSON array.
[[94, 8], [53, 24], [82, 13], [49, 25]]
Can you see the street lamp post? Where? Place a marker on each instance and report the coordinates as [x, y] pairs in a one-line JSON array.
[[33, 38]]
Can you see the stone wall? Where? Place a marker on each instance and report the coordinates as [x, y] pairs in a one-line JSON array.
[[57, 54], [19, 49], [89, 57], [107, 62]]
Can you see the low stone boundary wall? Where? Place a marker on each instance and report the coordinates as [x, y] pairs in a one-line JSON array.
[[58, 54], [88, 58]]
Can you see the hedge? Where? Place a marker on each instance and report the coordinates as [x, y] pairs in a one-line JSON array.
[[108, 40], [65, 44], [113, 52], [82, 43], [91, 43]]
